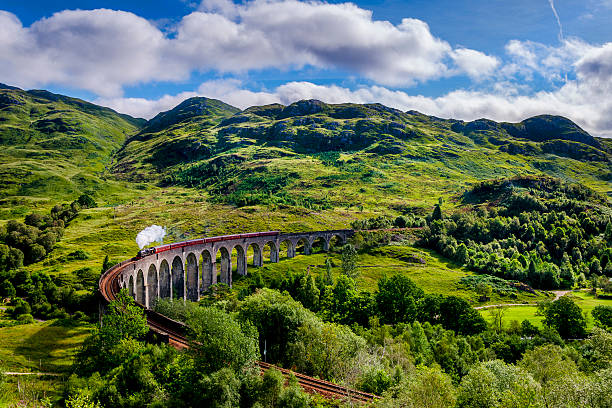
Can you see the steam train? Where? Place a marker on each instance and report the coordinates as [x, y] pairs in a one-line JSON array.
[[162, 248]]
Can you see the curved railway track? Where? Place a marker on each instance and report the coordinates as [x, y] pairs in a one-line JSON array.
[[174, 333]]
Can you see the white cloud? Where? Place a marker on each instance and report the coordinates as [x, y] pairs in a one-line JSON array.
[[104, 50], [475, 64], [529, 58]]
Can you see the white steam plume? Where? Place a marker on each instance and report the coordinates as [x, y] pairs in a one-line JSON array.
[[150, 234], [554, 10]]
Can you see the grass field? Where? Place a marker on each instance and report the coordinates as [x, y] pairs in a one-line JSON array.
[[585, 300], [40, 347], [435, 275]]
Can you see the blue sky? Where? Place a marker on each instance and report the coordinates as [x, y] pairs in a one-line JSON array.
[[502, 59]]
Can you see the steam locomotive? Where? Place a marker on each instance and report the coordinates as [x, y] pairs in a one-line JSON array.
[[162, 248]]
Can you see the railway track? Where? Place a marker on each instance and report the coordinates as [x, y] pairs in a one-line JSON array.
[[173, 333]]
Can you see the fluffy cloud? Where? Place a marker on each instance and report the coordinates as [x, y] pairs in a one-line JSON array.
[[475, 64], [98, 50], [104, 50]]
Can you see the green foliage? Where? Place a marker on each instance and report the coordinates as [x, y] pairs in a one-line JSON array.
[[218, 340], [565, 317], [349, 261], [397, 299], [427, 388], [122, 325], [603, 316], [542, 242]]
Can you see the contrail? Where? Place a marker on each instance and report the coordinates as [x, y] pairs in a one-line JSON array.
[[552, 6]]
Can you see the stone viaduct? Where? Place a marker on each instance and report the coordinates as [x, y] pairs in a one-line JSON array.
[[186, 270]]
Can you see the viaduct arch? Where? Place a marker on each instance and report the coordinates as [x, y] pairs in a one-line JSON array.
[[187, 269]]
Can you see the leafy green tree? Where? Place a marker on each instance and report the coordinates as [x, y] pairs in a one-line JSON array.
[[293, 396], [85, 201], [428, 387], [7, 290], [397, 299], [461, 254], [271, 387], [21, 307], [456, 314], [106, 264], [602, 314], [496, 384], [218, 340], [437, 213], [277, 318], [329, 280], [565, 316], [349, 261], [123, 324], [547, 364]]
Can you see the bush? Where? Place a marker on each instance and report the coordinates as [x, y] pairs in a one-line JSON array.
[[20, 306], [25, 318]]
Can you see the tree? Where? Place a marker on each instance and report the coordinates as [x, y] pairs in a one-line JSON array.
[[565, 316], [218, 340], [428, 387], [123, 320], [437, 213], [461, 254], [123, 325], [547, 365], [106, 264], [329, 280], [349, 261], [457, 314], [602, 315], [86, 201], [397, 299]]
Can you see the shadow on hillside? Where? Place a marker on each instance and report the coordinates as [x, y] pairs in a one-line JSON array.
[[52, 347]]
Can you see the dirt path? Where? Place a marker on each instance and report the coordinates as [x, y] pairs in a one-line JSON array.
[[39, 374], [558, 294], [504, 305]]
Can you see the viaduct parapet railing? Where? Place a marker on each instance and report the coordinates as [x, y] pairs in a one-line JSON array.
[[185, 270]]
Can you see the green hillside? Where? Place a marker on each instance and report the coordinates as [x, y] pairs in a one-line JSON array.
[[319, 156], [54, 147]]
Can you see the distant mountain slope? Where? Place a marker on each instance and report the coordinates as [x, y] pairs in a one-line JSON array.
[[310, 152], [56, 146]]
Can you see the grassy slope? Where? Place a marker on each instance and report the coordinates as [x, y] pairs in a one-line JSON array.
[[54, 148], [47, 347], [389, 158]]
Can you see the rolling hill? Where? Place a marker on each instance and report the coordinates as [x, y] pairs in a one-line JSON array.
[[322, 156], [54, 146]]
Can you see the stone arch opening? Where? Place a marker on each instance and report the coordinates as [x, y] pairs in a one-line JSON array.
[[225, 270], [318, 245], [131, 286], [164, 280], [254, 252], [270, 251], [286, 249], [335, 243], [152, 285], [140, 287], [209, 276], [192, 278], [239, 259], [178, 278], [302, 246]]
